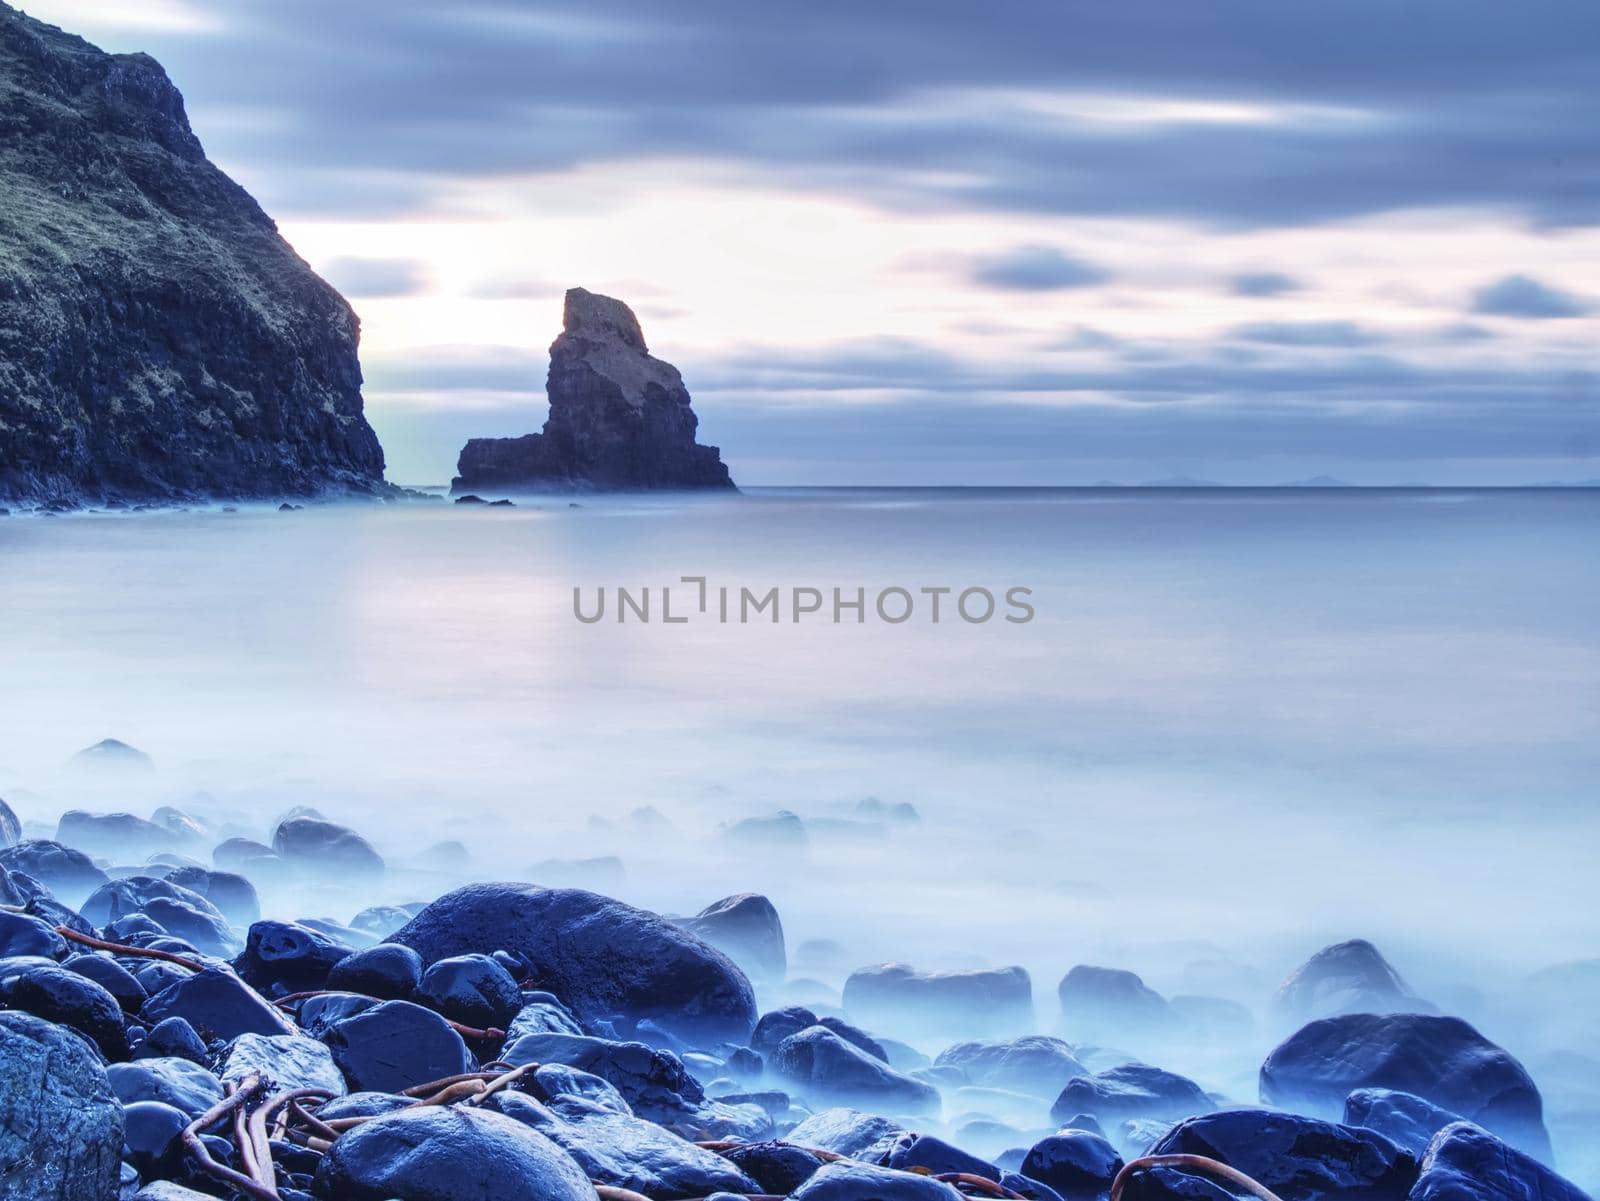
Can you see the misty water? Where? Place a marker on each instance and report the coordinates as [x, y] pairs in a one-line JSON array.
[[1241, 725]]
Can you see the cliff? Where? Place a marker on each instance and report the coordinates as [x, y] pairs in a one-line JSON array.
[[158, 339], [619, 417]]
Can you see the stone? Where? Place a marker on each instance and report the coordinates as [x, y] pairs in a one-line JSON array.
[[448, 1153], [172, 1038], [652, 1081], [778, 1168], [554, 1080], [1077, 1165], [848, 1132], [234, 853], [471, 989], [1464, 1162], [165, 1190], [325, 846], [542, 1014], [1102, 1002], [1300, 1157], [746, 926], [289, 1061], [111, 976], [150, 1131], [63, 870], [318, 1014], [69, 999], [10, 826], [1347, 977], [603, 958], [21, 934], [364, 1105], [232, 895], [121, 836], [280, 958], [1441, 1059], [60, 1125], [619, 417], [825, 1066], [196, 922], [1164, 1183], [896, 996], [161, 339], [1131, 1090], [176, 1082], [1033, 1063], [388, 971], [395, 1045], [927, 1153], [1406, 1120], [845, 1180], [217, 1004], [380, 921]]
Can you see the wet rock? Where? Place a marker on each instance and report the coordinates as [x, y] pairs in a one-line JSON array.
[[825, 1066], [283, 957], [654, 1082], [118, 835], [1466, 1163], [60, 1124], [10, 826], [542, 1014], [1171, 1184], [196, 923], [778, 1168], [395, 1045], [619, 417], [63, 870], [231, 894], [1077, 1165], [777, 1025], [1033, 1063], [845, 1180], [68, 999], [448, 1154], [150, 1131], [217, 1004], [1347, 977], [745, 926], [363, 1105], [388, 971], [471, 989], [165, 1190], [289, 1061], [21, 934], [1299, 1157], [176, 1082], [172, 1038], [1406, 1120], [380, 921], [623, 1151], [133, 894], [318, 1014], [234, 853], [1441, 1059], [554, 1080], [326, 846], [895, 996], [925, 1153], [601, 957], [1131, 1090], [111, 976], [848, 1132], [1101, 1002]]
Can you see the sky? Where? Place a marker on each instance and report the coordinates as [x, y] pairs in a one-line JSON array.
[[943, 242]]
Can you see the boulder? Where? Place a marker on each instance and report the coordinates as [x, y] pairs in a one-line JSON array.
[[61, 869], [176, 1082], [1077, 1165], [932, 1155], [1107, 1003], [1034, 1063], [387, 971], [1441, 1059], [235, 853], [448, 1153], [542, 1014], [1347, 977], [380, 921], [471, 989], [231, 894], [21, 934], [619, 417], [326, 847], [280, 958], [111, 976], [896, 996], [825, 1066], [745, 926], [778, 1168], [1464, 1162], [601, 957], [150, 1131], [217, 1004], [118, 836], [1131, 1090], [847, 1132], [10, 826], [653, 1082], [288, 1061], [60, 1124], [553, 1080], [1299, 1157], [172, 1038], [396, 1045], [68, 999], [1405, 1120], [317, 1015], [845, 1180]]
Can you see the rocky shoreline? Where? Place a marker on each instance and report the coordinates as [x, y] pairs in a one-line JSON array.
[[160, 1040]]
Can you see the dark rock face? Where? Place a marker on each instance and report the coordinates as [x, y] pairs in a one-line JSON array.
[[1467, 1163], [1441, 1059], [896, 995], [1298, 1157], [602, 958], [1404, 1119], [61, 869], [158, 339], [387, 971], [1078, 1165], [217, 1004], [60, 1125], [284, 957], [21, 934], [448, 1154], [619, 417], [390, 1047], [1348, 977], [471, 989], [1132, 1090], [68, 999]]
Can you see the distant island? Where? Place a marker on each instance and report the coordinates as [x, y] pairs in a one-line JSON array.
[[620, 418]]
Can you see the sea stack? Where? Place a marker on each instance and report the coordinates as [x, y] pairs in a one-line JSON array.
[[158, 339], [619, 417]]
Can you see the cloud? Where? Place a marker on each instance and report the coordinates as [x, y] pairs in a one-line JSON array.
[[1036, 269], [1263, 283], [377, 278], [1523, 296], [1344, 334]]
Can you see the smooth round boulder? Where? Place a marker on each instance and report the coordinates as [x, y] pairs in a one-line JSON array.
[[325, 846], [393, 1046], [284, 957], [66, 872], [150, 1131], [747, 928], [471, 989], [1347, 977], [172, 1038], [601, 957], [176, 1082], [215, 1002], [450, 1153], [388, 971], [60, 1125], [68, 999], [895, 996], [111, 976], [845, 1180], [824, 1065], [21, 934], [1131, 1091], [1079, 1166], [230, 893]]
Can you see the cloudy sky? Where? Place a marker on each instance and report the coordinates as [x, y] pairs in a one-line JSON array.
[[938, 241]]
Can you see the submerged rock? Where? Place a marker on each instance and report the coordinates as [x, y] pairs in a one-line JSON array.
[[61, 869], [325, 846], [60, 1124], [619, 417], [1347, 977], [1441, 1059], [895, 995], [160, 338], [1131, 1090], [745, 926], [601, 957], [1103, 1002], [1033, 1063], [825, 1066], [1466, 1163]]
